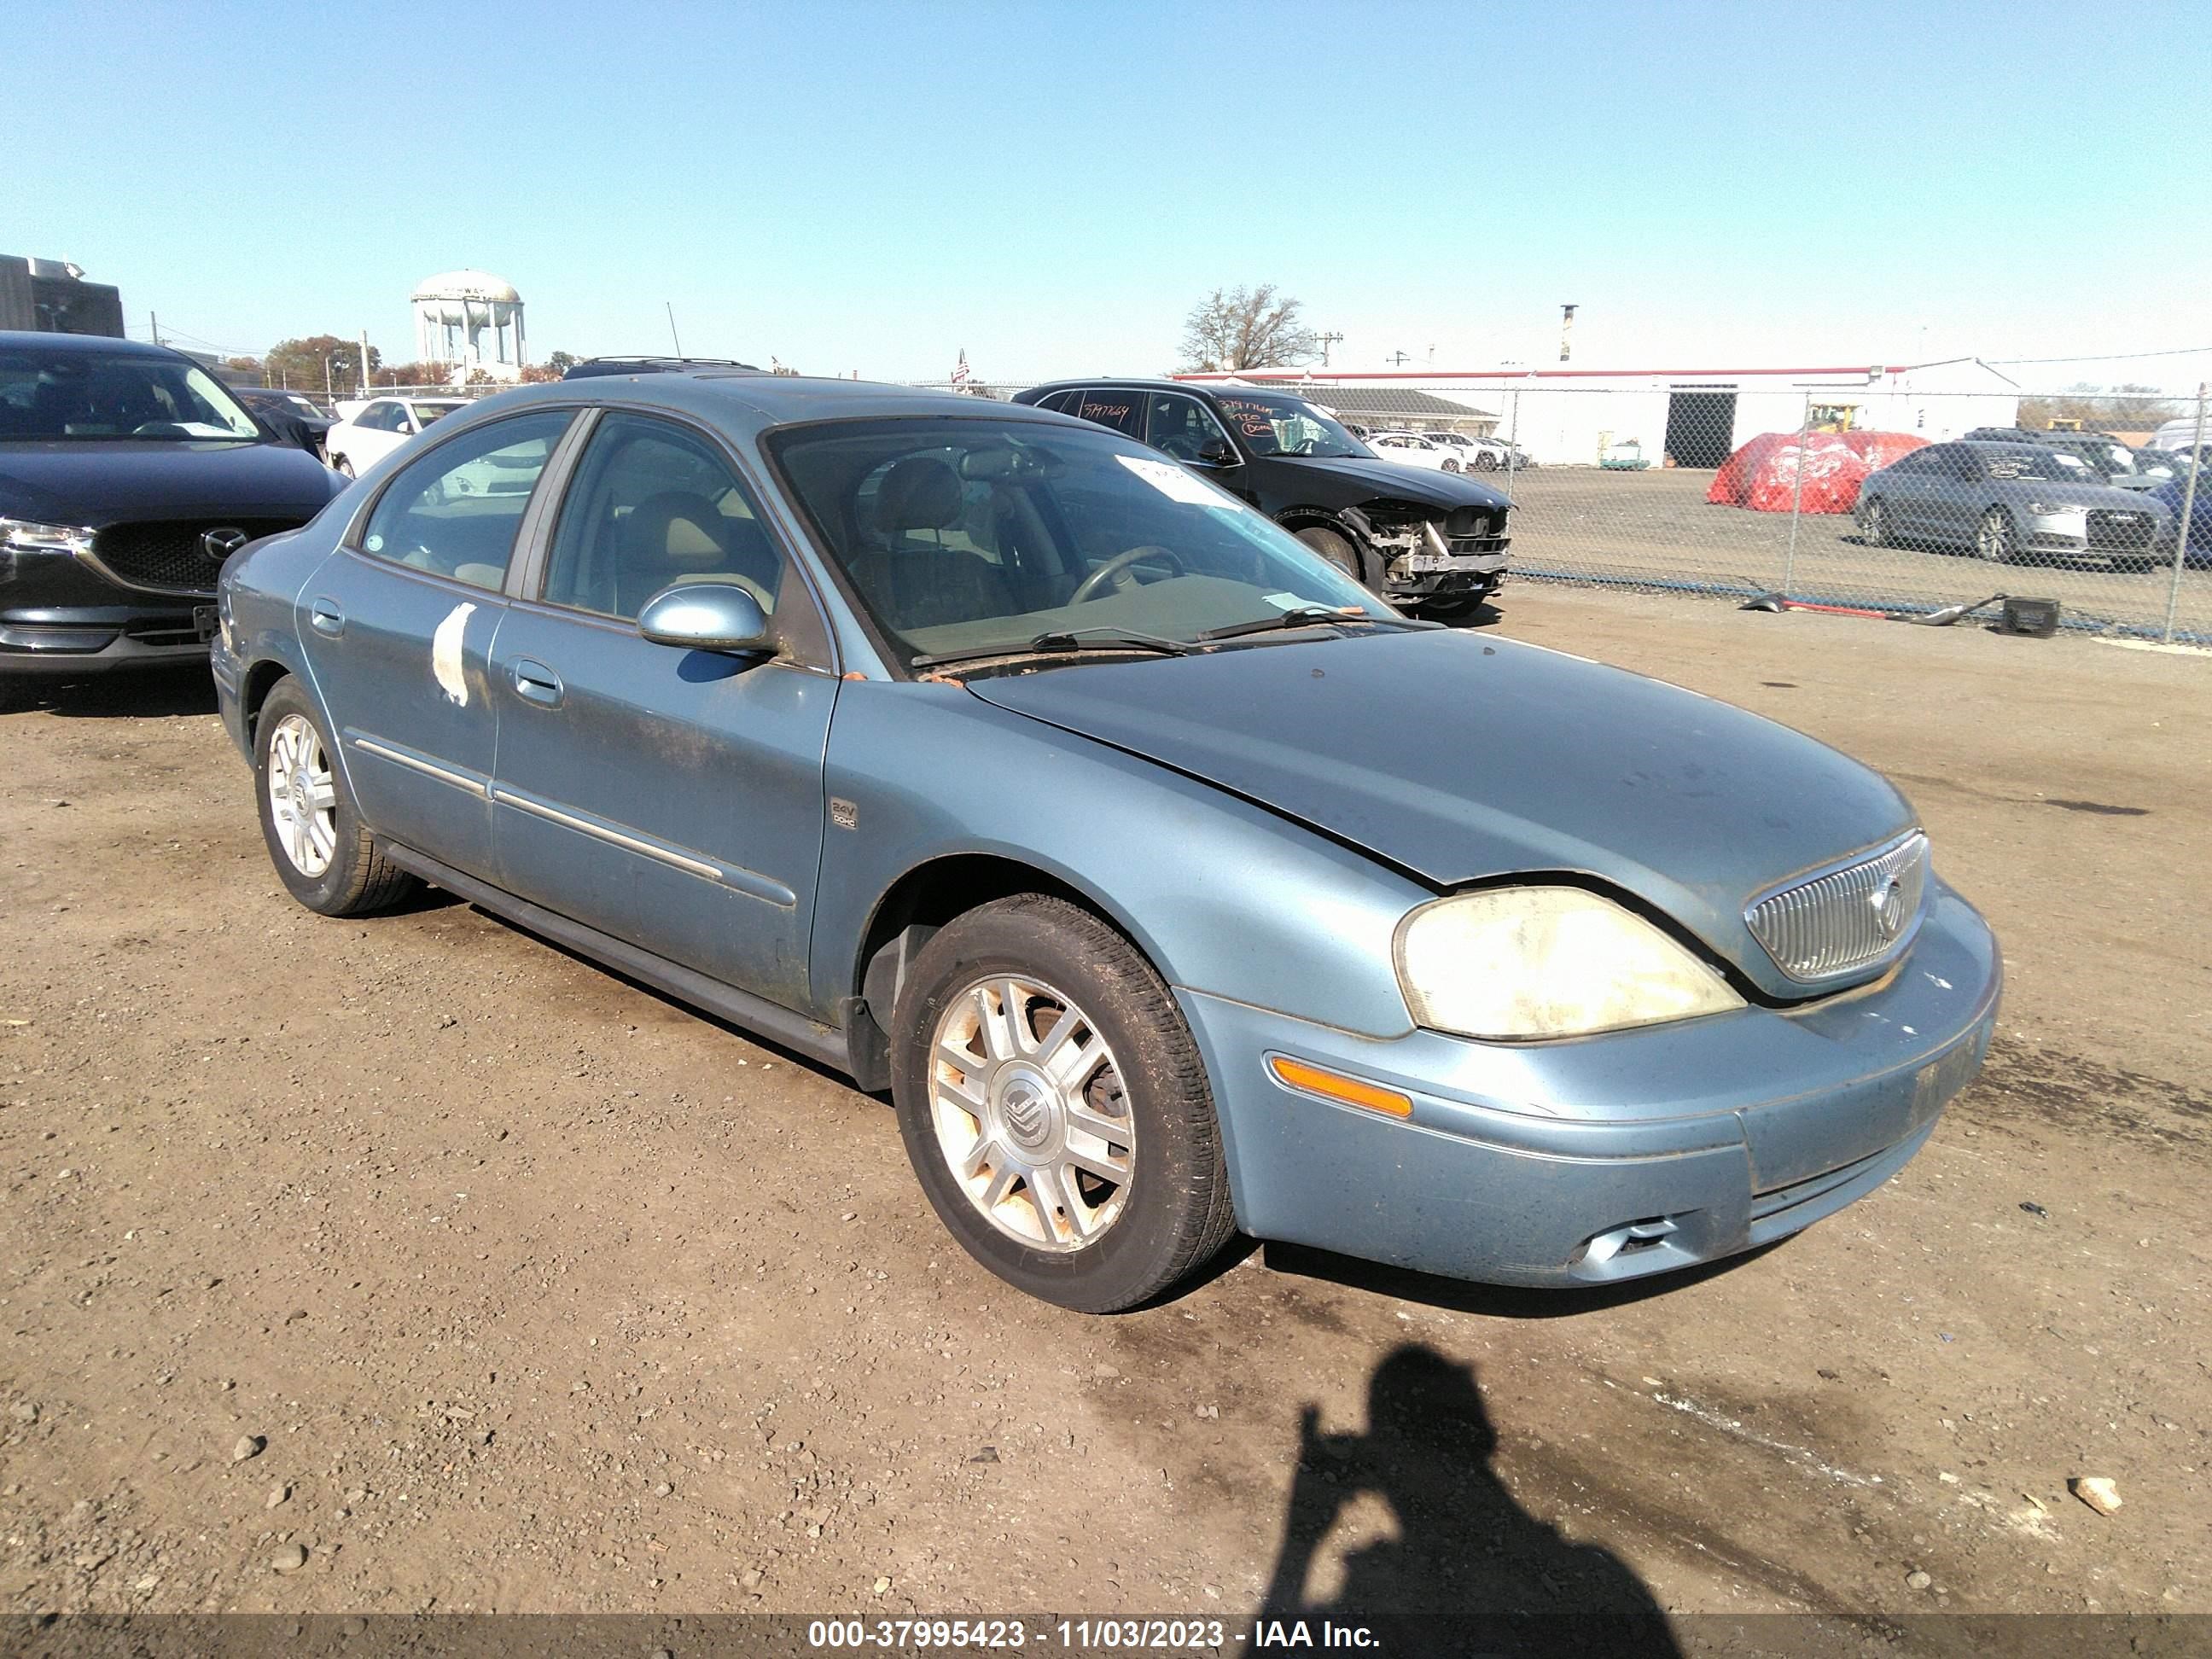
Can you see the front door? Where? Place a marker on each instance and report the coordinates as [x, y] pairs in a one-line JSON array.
[[398, 628], [672, 798]]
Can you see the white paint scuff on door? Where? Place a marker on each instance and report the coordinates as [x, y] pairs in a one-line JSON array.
[[446, 654]]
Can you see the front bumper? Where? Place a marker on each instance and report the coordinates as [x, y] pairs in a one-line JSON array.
[[1604, 1158], [78, 640]]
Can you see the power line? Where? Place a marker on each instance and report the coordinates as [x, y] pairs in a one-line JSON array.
[[2098, 357]]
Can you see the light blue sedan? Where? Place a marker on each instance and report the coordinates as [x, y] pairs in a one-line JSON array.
[[1170, 882]]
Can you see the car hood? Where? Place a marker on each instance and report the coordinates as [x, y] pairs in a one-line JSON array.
[[1401, 481], [1461, 759], [99, 482]]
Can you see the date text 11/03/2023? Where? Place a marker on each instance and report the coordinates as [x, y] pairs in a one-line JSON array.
[[1085, 1635]]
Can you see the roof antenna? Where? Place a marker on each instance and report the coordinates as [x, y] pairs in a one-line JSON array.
[[671, 326]]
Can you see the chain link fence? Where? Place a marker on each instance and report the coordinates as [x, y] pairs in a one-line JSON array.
[[1904, 491]]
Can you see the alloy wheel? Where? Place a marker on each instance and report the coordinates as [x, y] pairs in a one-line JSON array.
[[302, 798], [1031, 1115]]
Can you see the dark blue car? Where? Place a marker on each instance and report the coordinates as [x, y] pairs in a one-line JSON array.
[[1168, 880], [127, 474], [2170, 495]]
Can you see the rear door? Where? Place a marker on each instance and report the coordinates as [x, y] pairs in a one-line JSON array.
[[672, 798], [398, 624]]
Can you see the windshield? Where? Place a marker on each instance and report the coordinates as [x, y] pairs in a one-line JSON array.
[[1273, 425], [976, 536], [2040, 464], [47, 394]]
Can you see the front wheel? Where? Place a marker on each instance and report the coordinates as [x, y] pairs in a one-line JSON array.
[[1335, 546], [327, 857], [1875, 527], [340, 465], [1451, 466], [1995, 540], [1055, 1109]]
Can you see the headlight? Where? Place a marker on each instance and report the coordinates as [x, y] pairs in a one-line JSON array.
[[21, 536], [2054, 510], [1546, 962]]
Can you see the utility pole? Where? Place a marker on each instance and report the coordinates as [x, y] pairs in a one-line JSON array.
[[329, 391], [154, 321], [1327, 341], [364, 363]]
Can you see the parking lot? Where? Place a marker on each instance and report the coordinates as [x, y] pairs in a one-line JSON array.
[[1657, 526], [493, 1281]]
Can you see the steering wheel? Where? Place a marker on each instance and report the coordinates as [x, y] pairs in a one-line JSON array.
[[1182, 446], [1092, 586]]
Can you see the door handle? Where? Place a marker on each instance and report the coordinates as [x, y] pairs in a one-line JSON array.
[[326, 618], [533, 680]]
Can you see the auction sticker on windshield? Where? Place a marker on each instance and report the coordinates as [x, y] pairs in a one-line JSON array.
[[1177, 485]]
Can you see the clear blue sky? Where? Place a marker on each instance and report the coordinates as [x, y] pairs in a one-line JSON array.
[[1052, 185]]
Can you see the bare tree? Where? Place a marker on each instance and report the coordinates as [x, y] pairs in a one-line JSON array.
[[2129, 408], [1247, 328]]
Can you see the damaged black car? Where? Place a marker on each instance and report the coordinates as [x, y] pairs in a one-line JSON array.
[[1430, 542]]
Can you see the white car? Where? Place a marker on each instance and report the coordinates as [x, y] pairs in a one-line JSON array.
[[1414, 449], [372, 431]]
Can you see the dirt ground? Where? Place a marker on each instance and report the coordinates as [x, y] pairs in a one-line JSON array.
[[1657, 525], [493, 1281]]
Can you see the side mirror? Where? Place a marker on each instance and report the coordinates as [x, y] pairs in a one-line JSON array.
[[720, 617], [1216, 452]]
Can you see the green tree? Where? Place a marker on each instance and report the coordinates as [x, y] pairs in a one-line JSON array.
[[318, 363]]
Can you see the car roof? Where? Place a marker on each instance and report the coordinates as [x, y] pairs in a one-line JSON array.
[[748, 403], [86, 344]]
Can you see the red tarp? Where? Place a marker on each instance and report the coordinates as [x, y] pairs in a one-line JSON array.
[[1763, 475]]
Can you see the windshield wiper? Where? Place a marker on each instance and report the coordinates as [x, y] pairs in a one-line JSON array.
[[1060, 639], [1303, 615]]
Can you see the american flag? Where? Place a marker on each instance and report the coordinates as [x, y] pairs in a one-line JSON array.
[[960, 368]]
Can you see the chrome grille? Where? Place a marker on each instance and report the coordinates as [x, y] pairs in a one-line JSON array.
[[1847, 919]]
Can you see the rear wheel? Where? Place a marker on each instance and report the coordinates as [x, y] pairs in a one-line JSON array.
[[1055, 1109], [1450, 466], [1995, 540], [327, 857]]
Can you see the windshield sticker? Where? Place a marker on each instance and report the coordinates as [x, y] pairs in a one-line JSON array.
[[1286, 601], [1177, 485], [446, 654]]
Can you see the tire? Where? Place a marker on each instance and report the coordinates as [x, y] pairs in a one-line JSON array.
[[1450, 466], [355, 876], [1455, 609], [341, 466], [1996, 539], [1875, 531], [1166, 1213], [1485, 462], [1335, 546]]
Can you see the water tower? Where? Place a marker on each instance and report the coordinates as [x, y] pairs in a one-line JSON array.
[[455, 311]]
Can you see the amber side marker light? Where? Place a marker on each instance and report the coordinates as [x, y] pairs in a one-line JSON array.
[[1297, 1074]]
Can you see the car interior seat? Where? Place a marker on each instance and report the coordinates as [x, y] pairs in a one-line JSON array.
[[680, 536], [914, 579]]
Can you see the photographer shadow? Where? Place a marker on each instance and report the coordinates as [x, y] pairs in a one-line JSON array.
[[1468, 1570]]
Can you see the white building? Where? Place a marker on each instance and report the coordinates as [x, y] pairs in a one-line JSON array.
[[1568, 416], [454, 311]]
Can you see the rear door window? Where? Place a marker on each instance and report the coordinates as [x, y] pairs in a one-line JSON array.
[[454, 512], [1123, 410]]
